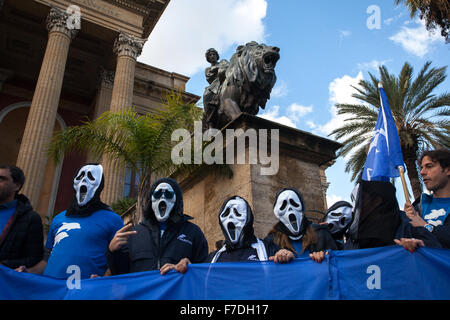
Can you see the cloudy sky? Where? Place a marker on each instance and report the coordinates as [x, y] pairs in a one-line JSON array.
[[326, 47]]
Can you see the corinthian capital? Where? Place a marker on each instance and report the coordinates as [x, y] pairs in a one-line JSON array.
[[57, 21], [128, 45]]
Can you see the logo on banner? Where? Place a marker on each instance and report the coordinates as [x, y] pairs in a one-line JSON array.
[[374, 281]]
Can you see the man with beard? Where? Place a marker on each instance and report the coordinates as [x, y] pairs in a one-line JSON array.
[[294, 231], [236, 221], [21, 234], [165, 240], [79, 236]]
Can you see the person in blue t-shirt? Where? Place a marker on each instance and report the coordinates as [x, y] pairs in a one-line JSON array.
[[430, 213], [79, 236]]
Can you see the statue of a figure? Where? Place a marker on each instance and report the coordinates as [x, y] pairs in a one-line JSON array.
[[215, 75], [241, 85]]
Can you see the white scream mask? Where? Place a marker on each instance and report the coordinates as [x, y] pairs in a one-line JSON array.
[[86, 183], [233, 219], [163, 201], [339, 218], [288, 209]]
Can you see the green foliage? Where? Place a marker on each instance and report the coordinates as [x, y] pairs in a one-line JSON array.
[[122, 205], [141, 141]]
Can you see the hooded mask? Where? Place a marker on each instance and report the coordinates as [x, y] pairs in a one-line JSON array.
[[236, 221], [164, 201], [339, 216], [87, 185], [289, 209]]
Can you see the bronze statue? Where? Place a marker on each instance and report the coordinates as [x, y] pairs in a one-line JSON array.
[[242, 85]]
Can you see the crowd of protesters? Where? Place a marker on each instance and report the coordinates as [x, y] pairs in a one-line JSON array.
[[90, 235]]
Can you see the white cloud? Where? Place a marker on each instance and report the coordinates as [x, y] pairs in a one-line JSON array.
[[273, 114], [296, 111], [372, 65], [388, 21], [292, 116], [417, 41], [340, 90], [332, 199], [344, 33], [188, 28], [280, 90]]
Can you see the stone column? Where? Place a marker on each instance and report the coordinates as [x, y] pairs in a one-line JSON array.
[[104, 94], [127, 48], [32, 156], [102, 102]]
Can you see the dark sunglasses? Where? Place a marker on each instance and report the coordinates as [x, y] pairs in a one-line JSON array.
[[167, 194]]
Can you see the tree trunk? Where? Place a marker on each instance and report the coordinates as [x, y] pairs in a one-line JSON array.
[[410, 157], [142, 196]]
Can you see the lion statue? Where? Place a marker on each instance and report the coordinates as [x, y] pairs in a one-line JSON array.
[[242, 85]]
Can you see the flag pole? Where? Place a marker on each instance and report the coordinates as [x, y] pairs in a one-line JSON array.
[[405, 189]]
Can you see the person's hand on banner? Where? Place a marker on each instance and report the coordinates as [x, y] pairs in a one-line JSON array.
[[318, 256], [21, 269], [180, 267], [121, 237], [282, 256], [410, 244]]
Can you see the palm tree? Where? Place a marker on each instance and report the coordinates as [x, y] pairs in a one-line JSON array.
[[421, 117], [142, 142], [435, 13]]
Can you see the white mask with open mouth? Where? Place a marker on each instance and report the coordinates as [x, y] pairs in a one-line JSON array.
[[233, 219], [86, 183], [163, 201], [288, 209], [339, 218]]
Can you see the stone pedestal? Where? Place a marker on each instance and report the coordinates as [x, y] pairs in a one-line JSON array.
[[303, 158]]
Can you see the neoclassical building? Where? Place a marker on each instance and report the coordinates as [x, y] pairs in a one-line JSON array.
[[54, 73]]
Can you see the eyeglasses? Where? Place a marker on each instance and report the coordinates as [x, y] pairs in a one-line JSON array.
[[167, 194]]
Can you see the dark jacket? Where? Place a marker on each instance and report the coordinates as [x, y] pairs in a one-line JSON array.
[[376, 216], [146, 251], [441, 232], [242, 254], [22, 240]]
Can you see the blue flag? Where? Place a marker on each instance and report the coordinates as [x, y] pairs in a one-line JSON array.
[[385, 154]]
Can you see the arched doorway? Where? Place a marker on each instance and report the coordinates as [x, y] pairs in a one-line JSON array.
[[12, 126]]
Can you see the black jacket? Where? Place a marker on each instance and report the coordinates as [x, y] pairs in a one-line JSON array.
[[145, 251], [247, 253], [22, 240]]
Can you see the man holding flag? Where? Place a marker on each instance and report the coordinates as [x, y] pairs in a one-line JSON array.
[[430, 212], [385, 161]]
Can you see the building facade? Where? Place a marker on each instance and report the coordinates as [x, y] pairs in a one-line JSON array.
[[62, 62]]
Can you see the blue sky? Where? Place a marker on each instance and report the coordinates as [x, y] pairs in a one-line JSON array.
[[325, 47]]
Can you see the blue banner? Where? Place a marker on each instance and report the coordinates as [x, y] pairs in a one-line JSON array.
[[375, 274]]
